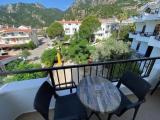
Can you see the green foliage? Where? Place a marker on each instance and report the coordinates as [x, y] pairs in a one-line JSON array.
[[19, 65], [78, 50], [29, 46], [111, 49], [79, 11], [89, 25], [48, 57], [33, 15], [122, 16], [55, 30], [66, 37], [124, 30], [25, 53]]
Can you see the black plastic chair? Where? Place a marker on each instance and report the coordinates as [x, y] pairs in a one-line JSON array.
[[156, 87], [138, 86], [43, 98], [67, 107]]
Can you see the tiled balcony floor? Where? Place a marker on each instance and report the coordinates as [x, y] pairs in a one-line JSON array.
[[150, 110]]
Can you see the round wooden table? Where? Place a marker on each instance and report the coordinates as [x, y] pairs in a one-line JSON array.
[[99, 94]]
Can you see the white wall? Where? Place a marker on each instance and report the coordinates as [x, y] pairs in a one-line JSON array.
[[143, 47], [139, 26], [17, 98], [71, 27], [134, 44]]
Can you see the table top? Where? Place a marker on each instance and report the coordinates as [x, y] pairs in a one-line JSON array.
[[98, 94]]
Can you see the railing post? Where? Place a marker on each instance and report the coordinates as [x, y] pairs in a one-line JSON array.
[[52, 78], [150, 67]]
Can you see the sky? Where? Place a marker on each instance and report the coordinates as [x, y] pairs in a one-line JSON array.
[[61, 4]]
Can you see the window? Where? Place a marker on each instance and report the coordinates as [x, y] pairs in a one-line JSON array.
[[157, 30], [74, 29]]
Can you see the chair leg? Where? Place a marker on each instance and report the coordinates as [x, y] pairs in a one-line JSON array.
[[155, 88], [109, 117], [135, 112], [97, 115]]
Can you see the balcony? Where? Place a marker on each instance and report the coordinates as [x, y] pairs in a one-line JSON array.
[[148, 16], [133, 34], [17, 97], [143, 37], [154, 41], [147, 112]]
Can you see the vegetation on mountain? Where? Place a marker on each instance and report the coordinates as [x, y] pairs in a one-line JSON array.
[[55, 30], [34, 15], [102, 8], [48, 57], [89, 25]]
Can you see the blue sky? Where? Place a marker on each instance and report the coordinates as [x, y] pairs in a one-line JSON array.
[[61, 4]]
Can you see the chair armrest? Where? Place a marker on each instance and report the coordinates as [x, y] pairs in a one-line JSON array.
[[133, 105]]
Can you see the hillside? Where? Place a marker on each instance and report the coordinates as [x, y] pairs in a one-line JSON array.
[[102, 8], [35, 15]]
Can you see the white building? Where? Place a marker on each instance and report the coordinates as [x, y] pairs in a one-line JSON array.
[[146, 38], [70, 27], [107, 25]]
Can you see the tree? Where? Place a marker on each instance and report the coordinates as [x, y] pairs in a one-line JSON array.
[[78, 51], [48, 57], [25, 53], [55, 30], [111, 49], [124, 32], [122, 16], [89, 25]]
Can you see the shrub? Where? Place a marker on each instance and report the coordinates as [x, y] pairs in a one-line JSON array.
[[111, 49], [48, 57], [19, 65], [29, 45]]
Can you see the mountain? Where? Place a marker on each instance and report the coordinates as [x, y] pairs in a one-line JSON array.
[[102, 8], [35, 15]]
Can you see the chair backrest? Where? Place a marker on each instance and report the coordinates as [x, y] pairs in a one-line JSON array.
[[43, 98], [136, 84]]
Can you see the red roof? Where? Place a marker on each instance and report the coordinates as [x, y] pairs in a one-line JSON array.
[[69, 22], [5, 57]]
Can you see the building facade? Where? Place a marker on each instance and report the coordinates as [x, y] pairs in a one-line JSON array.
[[107, 25], [17, 36], [146, 38], [70, 27]]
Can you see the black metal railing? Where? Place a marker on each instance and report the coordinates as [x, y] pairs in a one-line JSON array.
[[67, 76]]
